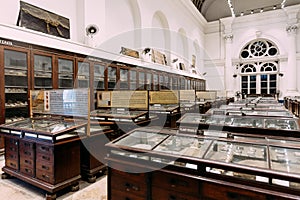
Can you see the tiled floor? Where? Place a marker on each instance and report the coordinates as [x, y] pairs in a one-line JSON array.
[[14, 189]]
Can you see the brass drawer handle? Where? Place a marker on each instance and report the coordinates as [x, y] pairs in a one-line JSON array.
[[44, 148], [130, 186], [46, 157], [28, 170], [45, 167], [172, 197], [28, 161], [175, 183], [27, 153], [12, 164], [45, 176]]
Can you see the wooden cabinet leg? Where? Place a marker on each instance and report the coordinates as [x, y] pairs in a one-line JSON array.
[[5, 176], [50, 196], [91, 179], [75, 187]]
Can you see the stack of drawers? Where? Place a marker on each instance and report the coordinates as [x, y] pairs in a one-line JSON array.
[[27, 158], [44, 163], [12, 153]]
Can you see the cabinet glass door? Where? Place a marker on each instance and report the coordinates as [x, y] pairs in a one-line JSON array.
[[124, 79], [42, 72], [99, 77], [133, 75], [16, 85], [65, 73], [83, 75], [111, 77]]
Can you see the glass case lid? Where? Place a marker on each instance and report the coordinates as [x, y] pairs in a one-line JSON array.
[[282, 124], [238, 153], [41, 125], [285, 159], [182, 145], [141, 140]]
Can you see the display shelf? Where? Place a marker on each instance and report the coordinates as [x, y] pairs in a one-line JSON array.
[[244, 166]]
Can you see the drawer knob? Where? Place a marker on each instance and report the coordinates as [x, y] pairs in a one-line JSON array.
[[45, 167], [46, 157]]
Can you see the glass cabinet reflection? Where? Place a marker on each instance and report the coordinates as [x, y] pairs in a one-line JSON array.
[[83, 76], [65, 73], [42, 72]]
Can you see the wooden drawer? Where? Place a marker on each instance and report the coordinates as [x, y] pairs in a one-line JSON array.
[[159, 193], [117, 195], [26, 161], [27, 170], [45, 176], [137, 177], [11, 145], [128, 185], [44, 149], [12, 164], [29, 153], [176, 183], [224, 192], [42, 157], [26, 145], [45, 166], [11, 156]]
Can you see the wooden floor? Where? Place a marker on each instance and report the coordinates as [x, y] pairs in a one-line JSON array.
[[19, 190]]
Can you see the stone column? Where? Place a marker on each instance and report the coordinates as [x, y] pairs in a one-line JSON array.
[[292, 61], [229, 71]]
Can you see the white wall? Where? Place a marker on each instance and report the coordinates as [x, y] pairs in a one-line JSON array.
[[268, 25]]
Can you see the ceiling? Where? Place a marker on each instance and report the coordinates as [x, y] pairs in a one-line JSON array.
[[215, 9]]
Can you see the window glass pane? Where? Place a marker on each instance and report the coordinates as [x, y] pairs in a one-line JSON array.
[[273, 77], [264, 84], [155, 82], [264, 77], [272, 84], [244, 78]]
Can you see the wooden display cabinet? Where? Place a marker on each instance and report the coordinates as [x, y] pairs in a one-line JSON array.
[[43, 152], [164, 164]]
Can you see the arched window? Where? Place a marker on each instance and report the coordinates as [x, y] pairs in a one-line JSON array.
[[258, 65]]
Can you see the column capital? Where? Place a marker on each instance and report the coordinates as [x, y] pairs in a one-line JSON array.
[[228, 37], [292, 28]]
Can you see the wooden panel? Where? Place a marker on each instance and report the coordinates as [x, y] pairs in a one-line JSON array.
[[160, 193]]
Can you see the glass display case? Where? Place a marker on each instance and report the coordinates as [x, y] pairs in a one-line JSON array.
[[241, 160], [234, 123], [250, 112], [45, 128], [120, 114]]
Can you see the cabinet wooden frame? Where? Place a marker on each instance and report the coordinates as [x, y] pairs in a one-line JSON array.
[[2, 80]]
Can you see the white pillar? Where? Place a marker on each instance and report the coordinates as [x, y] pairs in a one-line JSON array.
[[292, 62], [229, 80], [291, 70], [228, 69]]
